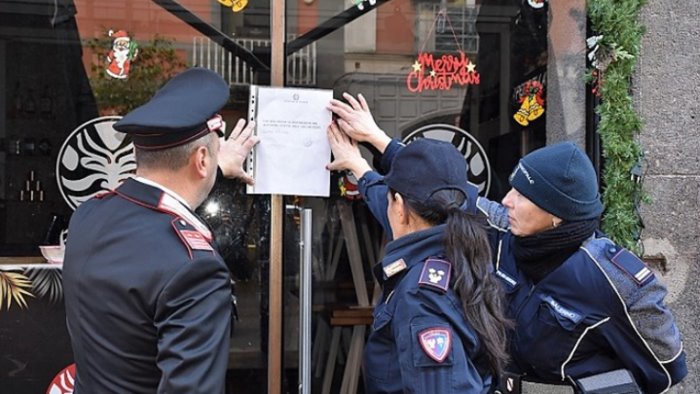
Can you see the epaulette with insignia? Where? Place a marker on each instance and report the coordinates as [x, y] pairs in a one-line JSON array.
[[436, 274], [631, 265], [394, 268], [193, 239]]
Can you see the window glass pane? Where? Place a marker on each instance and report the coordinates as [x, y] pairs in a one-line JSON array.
[[470, 72], [69, 70]]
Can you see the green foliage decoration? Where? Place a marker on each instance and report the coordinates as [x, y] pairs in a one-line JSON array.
[[156, 62], [617, 21]]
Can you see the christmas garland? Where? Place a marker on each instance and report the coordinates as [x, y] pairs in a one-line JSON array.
[[613, 54]]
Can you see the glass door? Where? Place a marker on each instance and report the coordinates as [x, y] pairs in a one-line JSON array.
[[469, 72]]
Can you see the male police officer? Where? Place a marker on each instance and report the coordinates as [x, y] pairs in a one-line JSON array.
[[148, 298]]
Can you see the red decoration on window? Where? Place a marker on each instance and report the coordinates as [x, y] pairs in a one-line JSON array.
[[431, 72], [64, 382], [348, 187], [123, 52]]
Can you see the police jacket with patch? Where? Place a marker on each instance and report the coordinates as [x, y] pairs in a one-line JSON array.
[[420, 340], [148, 299], [601, 310]]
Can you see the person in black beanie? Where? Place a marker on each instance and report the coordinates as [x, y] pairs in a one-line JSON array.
[[585, 309], [562, 179], [440, 324], [583, 305]]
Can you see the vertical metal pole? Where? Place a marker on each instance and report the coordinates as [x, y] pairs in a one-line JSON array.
[[209, 54], [274, 359], [305, 303]]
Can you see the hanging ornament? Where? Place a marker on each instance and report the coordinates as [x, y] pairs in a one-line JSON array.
[[597, 82], [599, 63], [361, 3], [536, 3], [348, 187], [236, 5], [523, 113], [432, 72], [531, 103], [441, 72], [601, 56], [120, 56]]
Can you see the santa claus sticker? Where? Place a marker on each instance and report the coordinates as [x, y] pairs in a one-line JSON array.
[[63, 382], [123, 52]]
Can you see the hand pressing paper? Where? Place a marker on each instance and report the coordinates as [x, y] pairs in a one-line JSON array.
[[293, 151]]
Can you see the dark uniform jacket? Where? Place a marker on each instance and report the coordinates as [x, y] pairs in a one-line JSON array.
[[601, 310], [148, 299], [420, 341]]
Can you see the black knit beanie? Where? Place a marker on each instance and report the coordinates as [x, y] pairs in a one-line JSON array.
[[561, 180]]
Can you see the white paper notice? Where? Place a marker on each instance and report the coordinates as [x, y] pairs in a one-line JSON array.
[[293, 151]]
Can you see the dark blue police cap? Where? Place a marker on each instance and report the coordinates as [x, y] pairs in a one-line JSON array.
[[426, 166], [183, 110]]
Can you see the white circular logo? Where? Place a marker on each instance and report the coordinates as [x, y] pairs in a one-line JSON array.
[[479, 171], [94, 158]]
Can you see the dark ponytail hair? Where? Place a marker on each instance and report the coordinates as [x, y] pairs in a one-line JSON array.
[[467, 248]]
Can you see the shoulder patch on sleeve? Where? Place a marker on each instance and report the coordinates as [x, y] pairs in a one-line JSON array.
[[436, 274], [631, 265], [436, 343]]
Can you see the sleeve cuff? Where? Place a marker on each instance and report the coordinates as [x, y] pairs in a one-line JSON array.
[[389, 153], [368, 179], [677, 369]]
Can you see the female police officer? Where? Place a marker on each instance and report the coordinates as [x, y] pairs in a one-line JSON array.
[[582, 304], [440, 326]]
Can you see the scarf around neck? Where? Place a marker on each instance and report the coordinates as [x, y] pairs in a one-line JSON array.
[[539, 254]]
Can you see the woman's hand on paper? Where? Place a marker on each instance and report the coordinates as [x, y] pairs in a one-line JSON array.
[[355, 119], [346, 153], [234, 150]]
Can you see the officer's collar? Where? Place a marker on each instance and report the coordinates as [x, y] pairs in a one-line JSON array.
[[163, 188], [157, 198], [405, 252]]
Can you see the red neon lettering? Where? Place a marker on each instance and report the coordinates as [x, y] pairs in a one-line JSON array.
[[430, 73]]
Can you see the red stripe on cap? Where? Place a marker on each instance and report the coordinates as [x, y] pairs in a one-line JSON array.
[[176, 143]]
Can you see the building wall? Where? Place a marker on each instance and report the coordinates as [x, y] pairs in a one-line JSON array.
[[665, 92], [566, 90], [666, 96]]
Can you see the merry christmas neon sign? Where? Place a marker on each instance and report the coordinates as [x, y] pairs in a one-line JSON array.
[[431, 72]]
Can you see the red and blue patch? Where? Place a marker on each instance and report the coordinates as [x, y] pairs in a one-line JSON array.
[[436, 343]]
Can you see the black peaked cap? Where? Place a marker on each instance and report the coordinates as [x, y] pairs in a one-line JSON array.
[[179, 111]]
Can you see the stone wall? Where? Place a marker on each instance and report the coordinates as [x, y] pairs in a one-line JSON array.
[[665, 93], [566, 89]]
